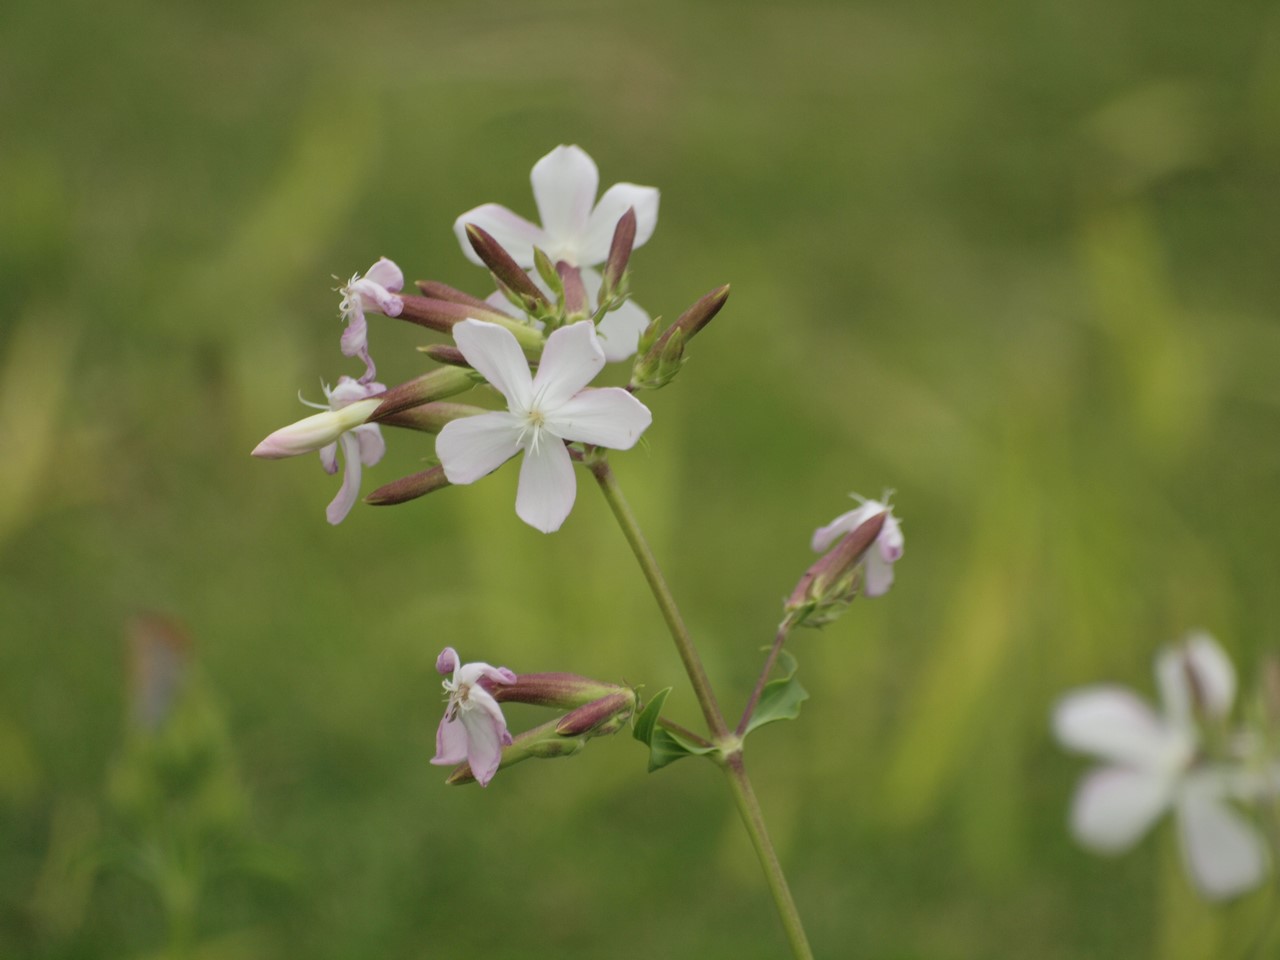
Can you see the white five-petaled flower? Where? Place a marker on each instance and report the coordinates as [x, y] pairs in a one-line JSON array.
[[576, 230], [542, 412], [376, 290], [886, 551], [473, 728], [342, 423], [1154, 763]]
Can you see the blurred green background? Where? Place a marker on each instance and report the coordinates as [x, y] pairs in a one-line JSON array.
[[1014, 260]]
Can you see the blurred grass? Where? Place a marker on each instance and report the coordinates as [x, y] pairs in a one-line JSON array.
[[1014, 260]]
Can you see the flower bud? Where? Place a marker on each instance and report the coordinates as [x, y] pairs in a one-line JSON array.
[[409, 488], [434, 385], [831, 584], [431, 417], [505, 270], [443, 353], [657, 365], [599, 718], [615, 267], [563, 690], [316, 431], [575, 294], [434, 290], [443, 315]]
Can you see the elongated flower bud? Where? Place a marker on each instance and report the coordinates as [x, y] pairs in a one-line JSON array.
[[624, 239], [316, 431], [409, 488], [430, 417], [504, 268], [600, 717], [665, 355], [434, 290], [563, 690], [435, 385]]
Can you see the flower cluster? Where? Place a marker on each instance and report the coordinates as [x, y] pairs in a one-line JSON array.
[[539, 342], [1186, 758]]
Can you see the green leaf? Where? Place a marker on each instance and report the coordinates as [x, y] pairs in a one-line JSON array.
[[665, 747], [781, 698]]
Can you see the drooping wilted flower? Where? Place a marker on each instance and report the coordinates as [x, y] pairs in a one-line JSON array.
[[881, 557], [473, 727], [376, 290]]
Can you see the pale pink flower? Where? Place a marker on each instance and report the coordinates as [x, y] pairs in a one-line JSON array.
[[342, 423], [1154, 764], [543, 412], [473, 727], [883, 554], [376, 290]]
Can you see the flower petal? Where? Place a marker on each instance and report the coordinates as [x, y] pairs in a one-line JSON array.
[[447, 662], [1196, 674], [513, 232], [493, 351], [547, 486], [824, 537], [485, 735], [604, 219], [620, 330], [890, 542], [1114, 723], [564, 186], [878, 576], [608, 417], [451, 742], [350, 490], [1223, 852], [386, 274], [372, 446], [329, 458], [570, 360], [471, 447], [1115, 806]]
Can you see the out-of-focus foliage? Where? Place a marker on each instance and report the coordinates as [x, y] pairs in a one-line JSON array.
[[1014, 260]]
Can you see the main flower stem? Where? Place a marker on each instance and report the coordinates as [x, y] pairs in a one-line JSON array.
[[730, 744]]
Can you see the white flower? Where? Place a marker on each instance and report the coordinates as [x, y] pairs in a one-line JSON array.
[[575, 229], [1154, 764], [376, 290], [542, 412], [342, 423], [886, 551]]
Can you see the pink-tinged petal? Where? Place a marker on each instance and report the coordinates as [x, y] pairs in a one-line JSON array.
[[374, 296], [469, 674], [485, 737], [824, 537], [1223, 852], [493, 351], [564, 186], [877, 576], [547, 486], [1113, 723], [513, 232], [608, 417], [570, 360], [355, 343], [604, 219], [451, 742], [890, 542], [372, 446], [620, 331], [447, 662], [386, 274], [329, 458], [313, 432], [1115, 806], [471, 447], [349, 492]]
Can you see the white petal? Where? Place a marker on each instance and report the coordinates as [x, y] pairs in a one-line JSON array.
[[878, 575], [604, 219], [1212, 673], [372, 446], [471, 447], [515, 234], [890, 542], [564, 186], [608, 417], [350, 490], [1115, 806], [329, 458], [484, 742], [386, 274], [547, 486], [493, 351], [1223, 852], [570, 360], [1115, 724], [620, 331]]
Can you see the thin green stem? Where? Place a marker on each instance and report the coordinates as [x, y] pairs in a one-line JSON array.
[[752, 817], [730, 744], [783, 632], [662, 593]]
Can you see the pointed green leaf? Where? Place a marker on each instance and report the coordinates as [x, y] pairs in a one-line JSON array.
[[781, 698], [665, 747], [647, 719]]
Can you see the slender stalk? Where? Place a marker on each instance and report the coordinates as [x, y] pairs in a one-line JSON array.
[[662, 593], [730, 744], [784, 630]]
